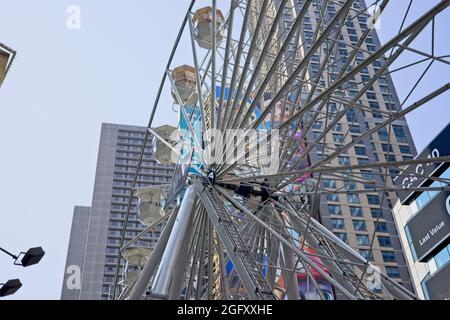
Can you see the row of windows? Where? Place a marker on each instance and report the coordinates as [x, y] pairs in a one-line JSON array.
[[129, 184], [141, 177], [388, 256], [145, 163], [122, 147], [136, 225], [363, 239], [376, 213], [132, 134], [144, 170], [354, 198], [399, 133], [147, 236], [359, 225]]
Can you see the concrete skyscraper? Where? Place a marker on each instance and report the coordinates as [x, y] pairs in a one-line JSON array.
[[96, 230], [358, 216]]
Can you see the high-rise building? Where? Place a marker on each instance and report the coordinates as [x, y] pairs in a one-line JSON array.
[[423, 221], [96, 230], [360, 217]]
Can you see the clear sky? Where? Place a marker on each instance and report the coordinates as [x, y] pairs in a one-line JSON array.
[[65, 83]]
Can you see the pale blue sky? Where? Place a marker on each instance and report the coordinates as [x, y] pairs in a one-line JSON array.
[[64, 84]]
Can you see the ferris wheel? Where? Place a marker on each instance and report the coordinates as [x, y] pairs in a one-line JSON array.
[[273, 97]]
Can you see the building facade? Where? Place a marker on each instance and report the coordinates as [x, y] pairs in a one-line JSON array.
[[6, 58], [96, 230], [423, 222], [364, 220]]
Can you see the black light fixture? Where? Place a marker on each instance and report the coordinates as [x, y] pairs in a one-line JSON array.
[[29, 258], [10, 287], [32, 256]]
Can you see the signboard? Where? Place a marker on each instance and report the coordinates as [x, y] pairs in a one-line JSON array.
[[408, 178], [438, 285], [431, 226]]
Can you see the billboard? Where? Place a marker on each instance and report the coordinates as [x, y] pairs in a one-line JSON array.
[[408, 178], [437, 286], [431, 226]]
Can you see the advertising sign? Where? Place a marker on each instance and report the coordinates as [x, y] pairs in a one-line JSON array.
[[409, 178], [438, 285], [431, 226]]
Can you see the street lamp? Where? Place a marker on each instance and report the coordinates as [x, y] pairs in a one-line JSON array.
[[29, 258], [10, 287]]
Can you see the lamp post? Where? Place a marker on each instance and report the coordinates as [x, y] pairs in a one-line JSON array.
[[29, 258], [10, 287]]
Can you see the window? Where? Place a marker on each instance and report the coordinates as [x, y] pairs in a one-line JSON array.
[[110, 269], [410, 243], [342, 236], [332, 197], [407, 158], [111, 260], [355, 128], [349, 185], [392, 272], [365, 78], [360, 151], [359, 225], [390, 158], [343, 161], [333, 209], [381, 227], [338, 138], [329, 184], [387, 147], [442, 257], [384, 241], [399, 132], [369, 186], [362, 240], [373, 199], [351, 115], [422, 200], [371, 95], [362, 161], [352, 198], [356, 211], [338, 127], [337, 223], [317, 125], [366, 253], [405, 149], [388, 256], [383, 134]]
